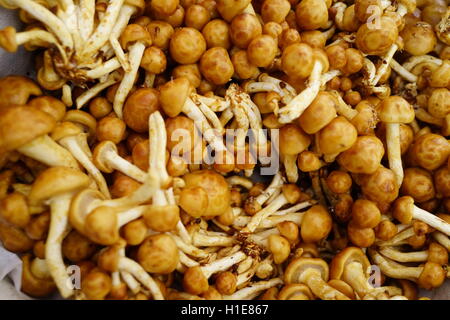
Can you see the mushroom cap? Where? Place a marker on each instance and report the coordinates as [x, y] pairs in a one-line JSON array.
[[99, 155], [295, 291], [194, 281], [80, 207], [216, 187], [54, 107], [31, 284], [403, 209], [173, 95], [342, 287], [8, 39], [194, 201], [162, 218], [101, 226], [65, 129], [346, 256], [293, 140], [17, 90], [158, 254], [296, 267], [380, 186], [337, 136], [395, 109], [14, 134], [432, 276], [133, 33], [56, 181], [316, 224]]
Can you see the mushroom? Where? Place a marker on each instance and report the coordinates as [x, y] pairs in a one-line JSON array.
[[292, 141], [312, 272], [253, 290], [405, 211], [434, 253], [36, 280], [17, 90], [195, 280], [135, 38], [107, 159], [33, 140], [428, 276], [56, 186], [71, 137]]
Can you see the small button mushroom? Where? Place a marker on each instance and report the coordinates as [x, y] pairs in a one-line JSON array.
[[439, 103], [364, 156], [162, 218], [96, 285], [243, 29], [430, 151], [14, 209], [289, 230], [279, 247], [226, 282], [441, 179], [262, 50], [123, 186], [418, 183], [316, 224], [14, 239], [377, 41], [385, 230], [336, 137], [365, 214], [196, 16], [216, 188], [158, 254], [275, 10], [138, 106], [419, 38], [134, 232], [297, 60], [361, 237], [319, 113], [243, 68], [100, 107], [314, 273], [161, 32], [380, 186], [339, 181], [17, 90], [77, 247], [288, 36], [228, 9], [308, 161], [32, 284], [311, 14], [217, 34], [187, 45], [189, 71], [216, 66]]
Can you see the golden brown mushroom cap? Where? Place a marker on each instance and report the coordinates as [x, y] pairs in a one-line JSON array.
[[216, 188], [56, 181], [31, 284], [173, 95], [403, 209], [17, 90], [158, 254], [395, 109], [33, 123], [295, 291], [364, 156], [297, 266], [346, 256], [293, 140], [316, 224], [337, 136], [432, 276]]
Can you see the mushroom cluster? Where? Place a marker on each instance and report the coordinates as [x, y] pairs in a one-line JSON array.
[[228, 149]]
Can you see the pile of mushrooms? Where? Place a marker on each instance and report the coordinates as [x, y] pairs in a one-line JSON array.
[[228, 149]]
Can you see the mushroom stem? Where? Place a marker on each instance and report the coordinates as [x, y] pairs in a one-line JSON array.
[[354, 275], [47, 151], [391, 253], [189, 248], [222, 264], [313, 279], [442, 239], [203, 240], [106, 68], [424, 116], [265, 213], [135, 54], [131, 282], [120, 164], [343, 108], [135, 269], [45, 16], [395, 270], [393, 148], [87, 95], [86, 18], [275, 185], [124, 17], [405, 74], [216, 104], [158, 142], [416, 60], [212, 117], [73, 144], [386, 60], [298, 105], [290, 167], [431, 220], [102, 32], [253, 290], [398, 238], [59, 228]]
